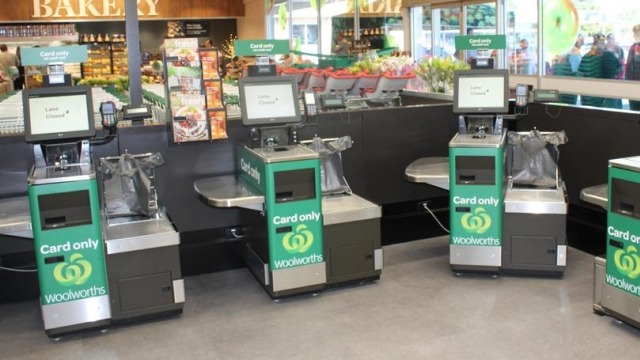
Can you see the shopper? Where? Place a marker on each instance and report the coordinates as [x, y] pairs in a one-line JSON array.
[[18, 83], [575, 55], [8, 62], [611, 67], [632, 70], [342, 46], [208, 44], [525, 59]]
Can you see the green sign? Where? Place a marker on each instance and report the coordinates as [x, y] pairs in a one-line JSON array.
[[475, 209], [294, 227], [481, 42], [70, 258], [71, 54], [261, 47], [623, 237]]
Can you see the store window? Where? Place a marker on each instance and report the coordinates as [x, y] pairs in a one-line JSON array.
[[446, 26], [304, 20], [521, 30], [592, 39], [421, 44], [480, 19], [314, 26], [279, 20]]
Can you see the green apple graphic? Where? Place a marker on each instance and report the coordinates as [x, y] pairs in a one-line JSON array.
[[559, 25]]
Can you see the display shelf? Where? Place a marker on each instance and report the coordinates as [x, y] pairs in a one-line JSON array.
[[15, 41], [105, 58]]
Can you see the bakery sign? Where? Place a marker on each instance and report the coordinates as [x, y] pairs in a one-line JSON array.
[[64, 9]]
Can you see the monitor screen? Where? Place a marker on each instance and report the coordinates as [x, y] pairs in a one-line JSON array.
[[481, 91], [269, 100], [53, 114]]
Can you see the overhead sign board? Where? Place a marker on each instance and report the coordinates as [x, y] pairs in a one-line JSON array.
[[261, 47], [70, 54], [481, 42]]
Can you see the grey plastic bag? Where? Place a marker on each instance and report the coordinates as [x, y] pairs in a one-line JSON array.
[[534, 157], [332, 179], [129, 186]]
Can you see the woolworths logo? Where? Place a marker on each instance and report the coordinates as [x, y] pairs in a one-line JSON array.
[[477, 222], [299, 241], [75, 272], [628, 262]]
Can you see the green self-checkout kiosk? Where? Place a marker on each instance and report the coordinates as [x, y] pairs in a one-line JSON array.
[[507, 203], [65, 210], [617, 277], [477, 176], [105, 250], [295, 240]]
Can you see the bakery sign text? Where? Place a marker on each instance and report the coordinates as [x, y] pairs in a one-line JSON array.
[[65, 9]]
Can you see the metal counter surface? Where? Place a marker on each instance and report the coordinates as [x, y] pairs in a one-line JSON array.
[[228, 191], [121, 235], [430, 170], [15, 218], [597, 195], [338, 209], [284, 153], [58, 174], [473, 140], [628, 163], [535, 201]]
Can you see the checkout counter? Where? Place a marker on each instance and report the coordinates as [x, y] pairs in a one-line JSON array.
[[295, 240], [503, 218], [95, 266], [616, 276]]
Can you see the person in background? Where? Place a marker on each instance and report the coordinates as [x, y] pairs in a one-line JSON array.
[[575, 54], [8, 60], [632, 67], [18, 83], [613, 47], [611, 68], [525, 59], [208, 44], [342, 46]]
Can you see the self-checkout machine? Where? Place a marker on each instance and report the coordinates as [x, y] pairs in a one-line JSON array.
[[65, 210], [616, 280], [64, 200], [278, 182], [283, 241], [477, 176]]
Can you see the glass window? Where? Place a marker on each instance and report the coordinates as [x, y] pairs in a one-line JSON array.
[[315, 26], [304, 20], [521, 31], [591, 40], [421, 44], [446, 26], [279, 19], [480, 19]]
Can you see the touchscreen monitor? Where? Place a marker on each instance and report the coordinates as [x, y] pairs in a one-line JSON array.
[[59, 113], [269, 100], [481, 91]]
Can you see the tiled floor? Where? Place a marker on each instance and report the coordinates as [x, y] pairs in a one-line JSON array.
[[418, 310]]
